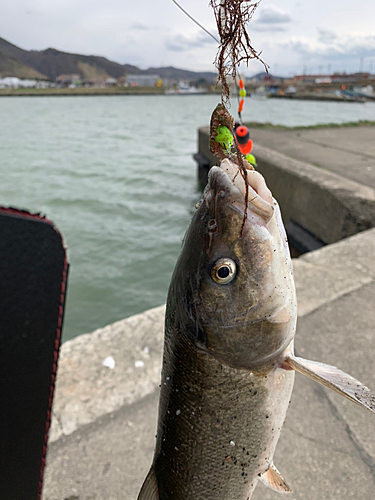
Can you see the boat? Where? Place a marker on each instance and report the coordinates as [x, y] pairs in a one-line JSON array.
[[184, 88]]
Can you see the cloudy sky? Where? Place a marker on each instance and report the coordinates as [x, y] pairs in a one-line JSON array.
[[315, 36]]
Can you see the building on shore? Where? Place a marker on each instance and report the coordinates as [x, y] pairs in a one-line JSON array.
[[111, 82], [142, 80], [67, 80], [13, 82], [334, 78]]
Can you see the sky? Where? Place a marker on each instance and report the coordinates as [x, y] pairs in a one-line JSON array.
[[294, 36]]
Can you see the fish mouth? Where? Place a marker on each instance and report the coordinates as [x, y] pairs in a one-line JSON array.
[[228, 177]]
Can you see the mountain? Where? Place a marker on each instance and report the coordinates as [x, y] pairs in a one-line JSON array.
[[259, 77], [51, 63], [9, 66], [180, 74]]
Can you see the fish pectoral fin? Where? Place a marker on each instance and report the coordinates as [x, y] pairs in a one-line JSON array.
[[149, 490], [334, 379], [274, 480]]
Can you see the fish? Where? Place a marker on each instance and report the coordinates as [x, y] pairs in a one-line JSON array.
[[228, 362]]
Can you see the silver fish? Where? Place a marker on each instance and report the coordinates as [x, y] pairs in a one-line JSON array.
[[228, 366]]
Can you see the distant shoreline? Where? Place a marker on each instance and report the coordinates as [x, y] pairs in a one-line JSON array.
[[270, 126], [82, 91]]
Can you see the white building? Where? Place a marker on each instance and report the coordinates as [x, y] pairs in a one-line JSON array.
[[10, 82], [142, 80], [28, 84], [13, 82]]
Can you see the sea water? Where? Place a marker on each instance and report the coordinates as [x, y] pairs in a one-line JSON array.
[[116, 175]]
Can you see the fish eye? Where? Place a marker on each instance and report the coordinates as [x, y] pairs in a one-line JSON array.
[[223, 271]]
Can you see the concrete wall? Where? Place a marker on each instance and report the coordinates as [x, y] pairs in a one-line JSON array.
[[88, 386], [328, 205]]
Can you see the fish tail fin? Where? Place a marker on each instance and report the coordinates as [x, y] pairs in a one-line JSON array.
[[149, 490], [334, 379], [274, 480]]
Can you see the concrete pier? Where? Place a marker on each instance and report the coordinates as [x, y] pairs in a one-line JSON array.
[[105, 409], [323, 179], [105, 418]]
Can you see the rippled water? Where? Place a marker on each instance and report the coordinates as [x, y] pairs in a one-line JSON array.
[[116, 175]]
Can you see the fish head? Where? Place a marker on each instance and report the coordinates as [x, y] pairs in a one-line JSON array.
[[232, 292]]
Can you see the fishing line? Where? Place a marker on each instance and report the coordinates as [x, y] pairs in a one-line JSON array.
[[196, 22], [241, 132], [222, 13]]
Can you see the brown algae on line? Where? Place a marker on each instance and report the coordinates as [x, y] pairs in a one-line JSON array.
[[228, 363]]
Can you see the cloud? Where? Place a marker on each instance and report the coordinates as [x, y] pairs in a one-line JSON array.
[[326, 36], [301, 45], [139, 27], [182, 43], [266, 27], [174, 47], [359, 45], [273, 15], [348, 46], [344, 53], [271, 19]]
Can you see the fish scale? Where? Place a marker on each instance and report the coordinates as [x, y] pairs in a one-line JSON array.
[[204, 444]]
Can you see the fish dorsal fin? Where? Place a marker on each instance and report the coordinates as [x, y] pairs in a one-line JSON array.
[[274, 480], [334, 379], [149, 490]]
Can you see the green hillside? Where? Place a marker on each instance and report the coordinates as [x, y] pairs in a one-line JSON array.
[[51, 63], [11, 67]]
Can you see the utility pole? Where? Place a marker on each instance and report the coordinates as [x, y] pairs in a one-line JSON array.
[[361, 64]]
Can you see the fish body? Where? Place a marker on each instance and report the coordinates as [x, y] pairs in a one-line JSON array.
[[223, 394], [228, 363], [217, 434]]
